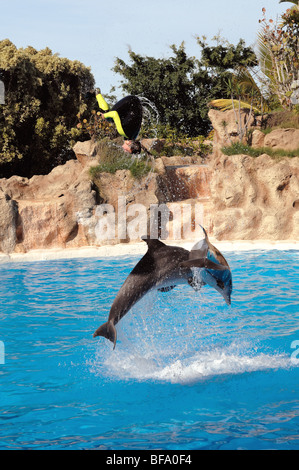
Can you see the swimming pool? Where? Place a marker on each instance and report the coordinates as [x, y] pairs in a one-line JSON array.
[[188, 372]]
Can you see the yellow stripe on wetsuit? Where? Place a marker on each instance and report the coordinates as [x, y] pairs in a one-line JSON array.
[[115, 116], [102, 103], [111, 114]]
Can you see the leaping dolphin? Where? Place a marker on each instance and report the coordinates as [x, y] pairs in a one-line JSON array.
[[162, 268]]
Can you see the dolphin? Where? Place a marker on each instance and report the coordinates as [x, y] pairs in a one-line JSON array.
[[202, 255], [163, 267]]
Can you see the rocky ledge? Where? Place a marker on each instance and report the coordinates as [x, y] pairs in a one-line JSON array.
[[241, 198]]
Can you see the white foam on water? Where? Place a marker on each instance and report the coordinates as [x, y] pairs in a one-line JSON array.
[[187, 342], [203, 366], [200, 366]]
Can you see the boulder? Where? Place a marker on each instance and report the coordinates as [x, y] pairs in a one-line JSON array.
[[121, 191], [186, 218], [286, 139], [226, 125], [258, 139], [85, 151], [178, 160], [60, 179], [153, 145]]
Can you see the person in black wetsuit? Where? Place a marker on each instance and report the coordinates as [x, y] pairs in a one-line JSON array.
[[127, 117]]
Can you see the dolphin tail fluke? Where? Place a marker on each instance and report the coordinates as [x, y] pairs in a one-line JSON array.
[[107, 330]]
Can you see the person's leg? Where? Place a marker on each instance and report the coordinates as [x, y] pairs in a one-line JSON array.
[[115, 116]]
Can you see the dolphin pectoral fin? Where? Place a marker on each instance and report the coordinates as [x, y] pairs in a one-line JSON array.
[[107, 330], [203, 263]]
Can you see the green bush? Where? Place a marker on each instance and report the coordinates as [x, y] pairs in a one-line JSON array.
[[178, 144], [43, 95], [180, 86], [113, 158]]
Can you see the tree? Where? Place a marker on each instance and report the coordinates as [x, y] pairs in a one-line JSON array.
[[225, 56], [180, 86], [43, 95], [295, 2], [279, 53], [175, 86], [233, 68]]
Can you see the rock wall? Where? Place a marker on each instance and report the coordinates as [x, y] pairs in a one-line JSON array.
[[8, 217], [227, 125], [239, 197], [255, 198], [42, 212]]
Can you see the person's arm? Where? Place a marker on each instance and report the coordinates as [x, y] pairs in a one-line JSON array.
[[104, 107]]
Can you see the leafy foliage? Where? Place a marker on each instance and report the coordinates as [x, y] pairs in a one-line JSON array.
[[113, 158], [178, 144], [226, 104], [96, 126], [43, 95], [225, 56], [180, 86], [175, 85], [279, 53], [295, 2]]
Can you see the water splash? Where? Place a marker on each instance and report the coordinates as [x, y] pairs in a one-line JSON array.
[[150, 120], [157, 344], [186, 369], [150, 116]]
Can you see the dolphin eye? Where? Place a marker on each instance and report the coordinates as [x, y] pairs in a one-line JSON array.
[[220, 284]]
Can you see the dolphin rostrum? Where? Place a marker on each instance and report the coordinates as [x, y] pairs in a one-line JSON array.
[[162, 268]]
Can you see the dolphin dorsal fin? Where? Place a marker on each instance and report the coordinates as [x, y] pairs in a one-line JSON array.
[[200, 249], [206, 238], [153, 243], [206, 235]]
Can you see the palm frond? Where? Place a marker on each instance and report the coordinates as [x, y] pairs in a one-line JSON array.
[[264, 56], [296, 2], [227, 104]]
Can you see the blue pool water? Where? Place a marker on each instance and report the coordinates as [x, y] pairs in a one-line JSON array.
[[188, 372]]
